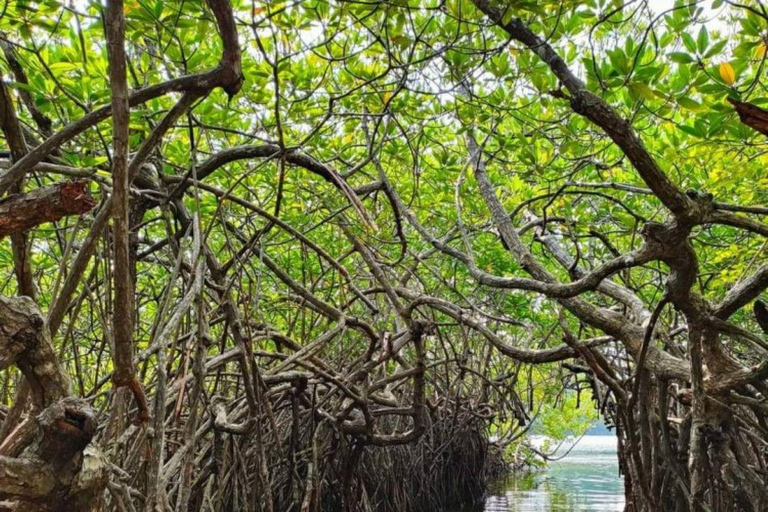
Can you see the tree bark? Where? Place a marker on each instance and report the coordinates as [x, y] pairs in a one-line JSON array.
[[21, 212], [42, 459], [751, 115]]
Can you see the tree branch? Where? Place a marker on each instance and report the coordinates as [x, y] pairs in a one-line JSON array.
[[226, 75], [751, 115], [21, 212], [594, 108]]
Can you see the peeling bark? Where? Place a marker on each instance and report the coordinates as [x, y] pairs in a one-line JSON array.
[[751, 115], [21, 212]]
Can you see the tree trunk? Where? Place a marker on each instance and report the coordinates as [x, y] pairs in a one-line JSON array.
[[46, 462]]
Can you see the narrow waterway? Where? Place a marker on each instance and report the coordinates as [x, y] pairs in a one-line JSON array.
[[585, 480]]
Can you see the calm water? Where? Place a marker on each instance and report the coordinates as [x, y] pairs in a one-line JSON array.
[[586, 480]]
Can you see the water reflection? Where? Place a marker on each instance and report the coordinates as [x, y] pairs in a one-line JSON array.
[[586, 480]]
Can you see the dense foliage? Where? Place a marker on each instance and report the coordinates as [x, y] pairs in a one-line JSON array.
[[350, 226]]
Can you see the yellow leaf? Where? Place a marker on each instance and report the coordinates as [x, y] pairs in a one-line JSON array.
[[727, 73], [759, 52]]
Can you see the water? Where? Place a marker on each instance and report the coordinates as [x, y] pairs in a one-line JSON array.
[[586, 480]]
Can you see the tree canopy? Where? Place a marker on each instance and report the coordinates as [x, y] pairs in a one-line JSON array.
[[265, 243]]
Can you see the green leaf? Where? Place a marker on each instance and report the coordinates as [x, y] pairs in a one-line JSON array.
[[681, 58], [619, 60], [702, 41], [642, 90], [689, 104], [688, 41], [716, 48]]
